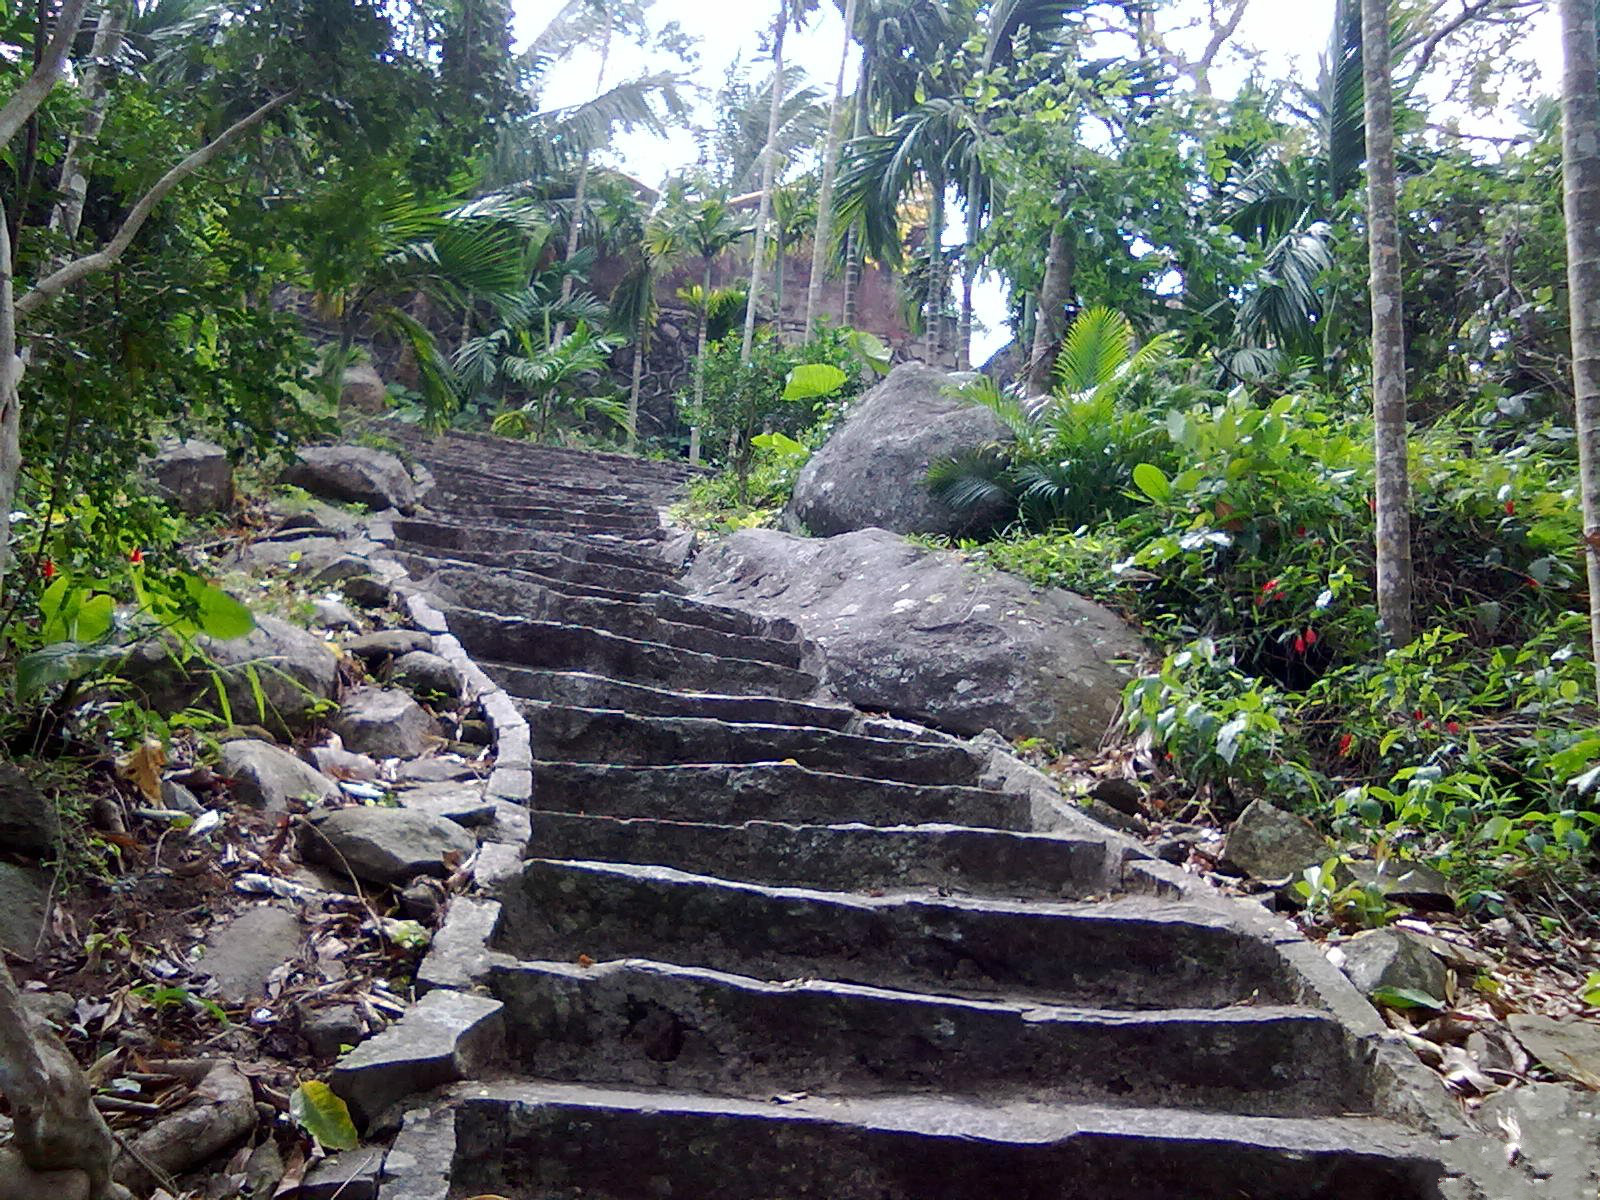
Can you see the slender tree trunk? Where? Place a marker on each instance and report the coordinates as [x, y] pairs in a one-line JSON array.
[[1050, 319], [769, 165], [643, 334], [700, 369], [778, 273], [1581, 173], [855, 250], [581, 193], [67, 215], [10, 398], [935, 248], [1388, 330], [970, 263], [830, 172]]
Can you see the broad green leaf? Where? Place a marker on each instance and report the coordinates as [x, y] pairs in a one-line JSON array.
[[812, 381], [1152, 481], [323, 1115], [50, 600], [60, 663], [869, 348], [218, 614], [1393, 997], [782, 446], [94, 618], [1590, 992]]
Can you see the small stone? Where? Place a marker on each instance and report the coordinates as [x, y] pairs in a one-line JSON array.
[[195, 475], [1270, 844], [180, 799], [477, 733], [377, 648], [463, 803], [58, 1008], [1171, 850], [383, 722], [328, 1030], [355, 475], [1392, 958], [1408, 883], [386, 845], [368, 591], [362, 390], [241, 955], [421, 901], [24, 906], [263, 1170], [436, 770], [29, 823], [352, 1175], [1571, 1049], [338, 569], [428, 675], [341, 764], [270, 777], [1121, 794], [331, 614]]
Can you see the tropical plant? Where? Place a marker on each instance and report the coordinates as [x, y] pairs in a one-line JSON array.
[[561, 383]]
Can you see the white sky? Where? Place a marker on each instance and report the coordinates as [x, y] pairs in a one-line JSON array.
[[1290, 33]]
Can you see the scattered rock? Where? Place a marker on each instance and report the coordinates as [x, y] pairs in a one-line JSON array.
[[341, 568], [927, 636], [180, 799], [263, 1170], [1558, 1134], [436, 770], [476, 733], [301, 517], [463, 803], [375, 649], [29, 823], [269, 777], [422, 900], [368, 591], [363, 390], [428, 674], [383, 722], [195, 475], [24, 907], [1123, 795], [355, 475], [295, 670], [385, 845], [872, 472], [327, 1030], [219, 1112], [57, 1008], [1392, 958], [242, 954], [331, 614], [352, 1175], [341, 764], [1412, 884], [1571, 1049], [1270, 844], [1172, 850]]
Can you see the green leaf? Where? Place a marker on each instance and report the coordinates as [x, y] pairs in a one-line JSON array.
[[781, 446], [59, 663], [869, 348], [812, 381], [1590, 992], [94, 617], [1153, 482], [218, 614], [323, 1115], [1393, 997]]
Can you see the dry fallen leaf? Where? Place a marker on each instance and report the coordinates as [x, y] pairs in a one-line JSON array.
[[143, 766]]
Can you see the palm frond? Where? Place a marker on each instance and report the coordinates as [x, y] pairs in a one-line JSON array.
[[1096, 349], [975, 482], [440, 386]]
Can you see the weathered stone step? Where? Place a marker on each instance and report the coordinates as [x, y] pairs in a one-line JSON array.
[[559, 646], [636, 552], [591, 735], [456, 483], [457, 579], [853, 857], [559, 460], [1129, 953], [554, 1141], [626, 582], [727, 793], [586, 690], [625, 520], [639, 1022]]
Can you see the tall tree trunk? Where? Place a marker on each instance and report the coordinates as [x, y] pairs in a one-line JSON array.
[[581, 192], [1050, 319], [830, 172], [1581, 174], [67, 215], [970, 263], [641, 336], [700, 369], [1388, 330], [935, 248], [10, 398], [855, 250], [778, 273], [769, 167]]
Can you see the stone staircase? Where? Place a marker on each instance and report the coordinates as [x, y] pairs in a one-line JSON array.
[[764, 946]]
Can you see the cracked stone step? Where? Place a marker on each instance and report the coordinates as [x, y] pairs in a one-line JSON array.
[[633, 553], [626, 582], [648, 1023], [447, 577], [587, 690], [559, 646], [554, 1141], [726, 793], [628, 518], [1130, 953], [569, 734], [853, 857]]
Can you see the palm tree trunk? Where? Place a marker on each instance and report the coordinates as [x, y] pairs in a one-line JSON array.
[[10, 398], [1388, 331], [778, 273], [855, 252], [830, 171], [700, 369], [1581, 175], [638, 376], [1050, 319], [935, 247], [581, 193], [67, 215], [970, 264], [769, 166]]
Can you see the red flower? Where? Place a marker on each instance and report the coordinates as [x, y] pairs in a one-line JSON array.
[[1511, 508], [136, 557], [1300, 644], [1345, 743], [1270, 586], [48, 569], [1532, 582], [1311, 637], [1418, 715], [1300, 532], [1453, 726]]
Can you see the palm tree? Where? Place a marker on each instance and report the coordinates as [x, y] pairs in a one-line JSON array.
[[1388, 331], [704, 227], [1581, 177], [820, 247]]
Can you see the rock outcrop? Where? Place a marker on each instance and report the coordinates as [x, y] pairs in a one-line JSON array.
[[924, 634], [354, 475], [195, 475], [873, 470]]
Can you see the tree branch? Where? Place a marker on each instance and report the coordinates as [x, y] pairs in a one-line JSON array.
[[26, 99], [80, 268]]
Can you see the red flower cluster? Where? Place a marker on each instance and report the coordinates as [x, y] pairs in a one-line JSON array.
[[1270, 590], [1345, 743], [1305, 641], [136, 557], [48, 570], [1511, 508]]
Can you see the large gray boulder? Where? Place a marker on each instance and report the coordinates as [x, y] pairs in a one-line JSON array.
[[925, 635], [354, 475], [384, 723], [872, 472], [195, 475], [24, 908], [386, 845], [29, 823], [296, 673], [362, 390], [269, 777]]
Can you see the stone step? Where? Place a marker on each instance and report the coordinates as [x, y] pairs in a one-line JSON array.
[[854, 857], [593, 735], [630, 522], [638, 1022], [557, 460], [558, 646], [567, 563], [1128, 953], [457, 483], [727, 793], [562, 1141], [587, 690], [456, 579], [636, 553]]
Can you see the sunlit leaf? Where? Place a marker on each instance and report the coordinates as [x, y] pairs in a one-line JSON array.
[[323, 1115]]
